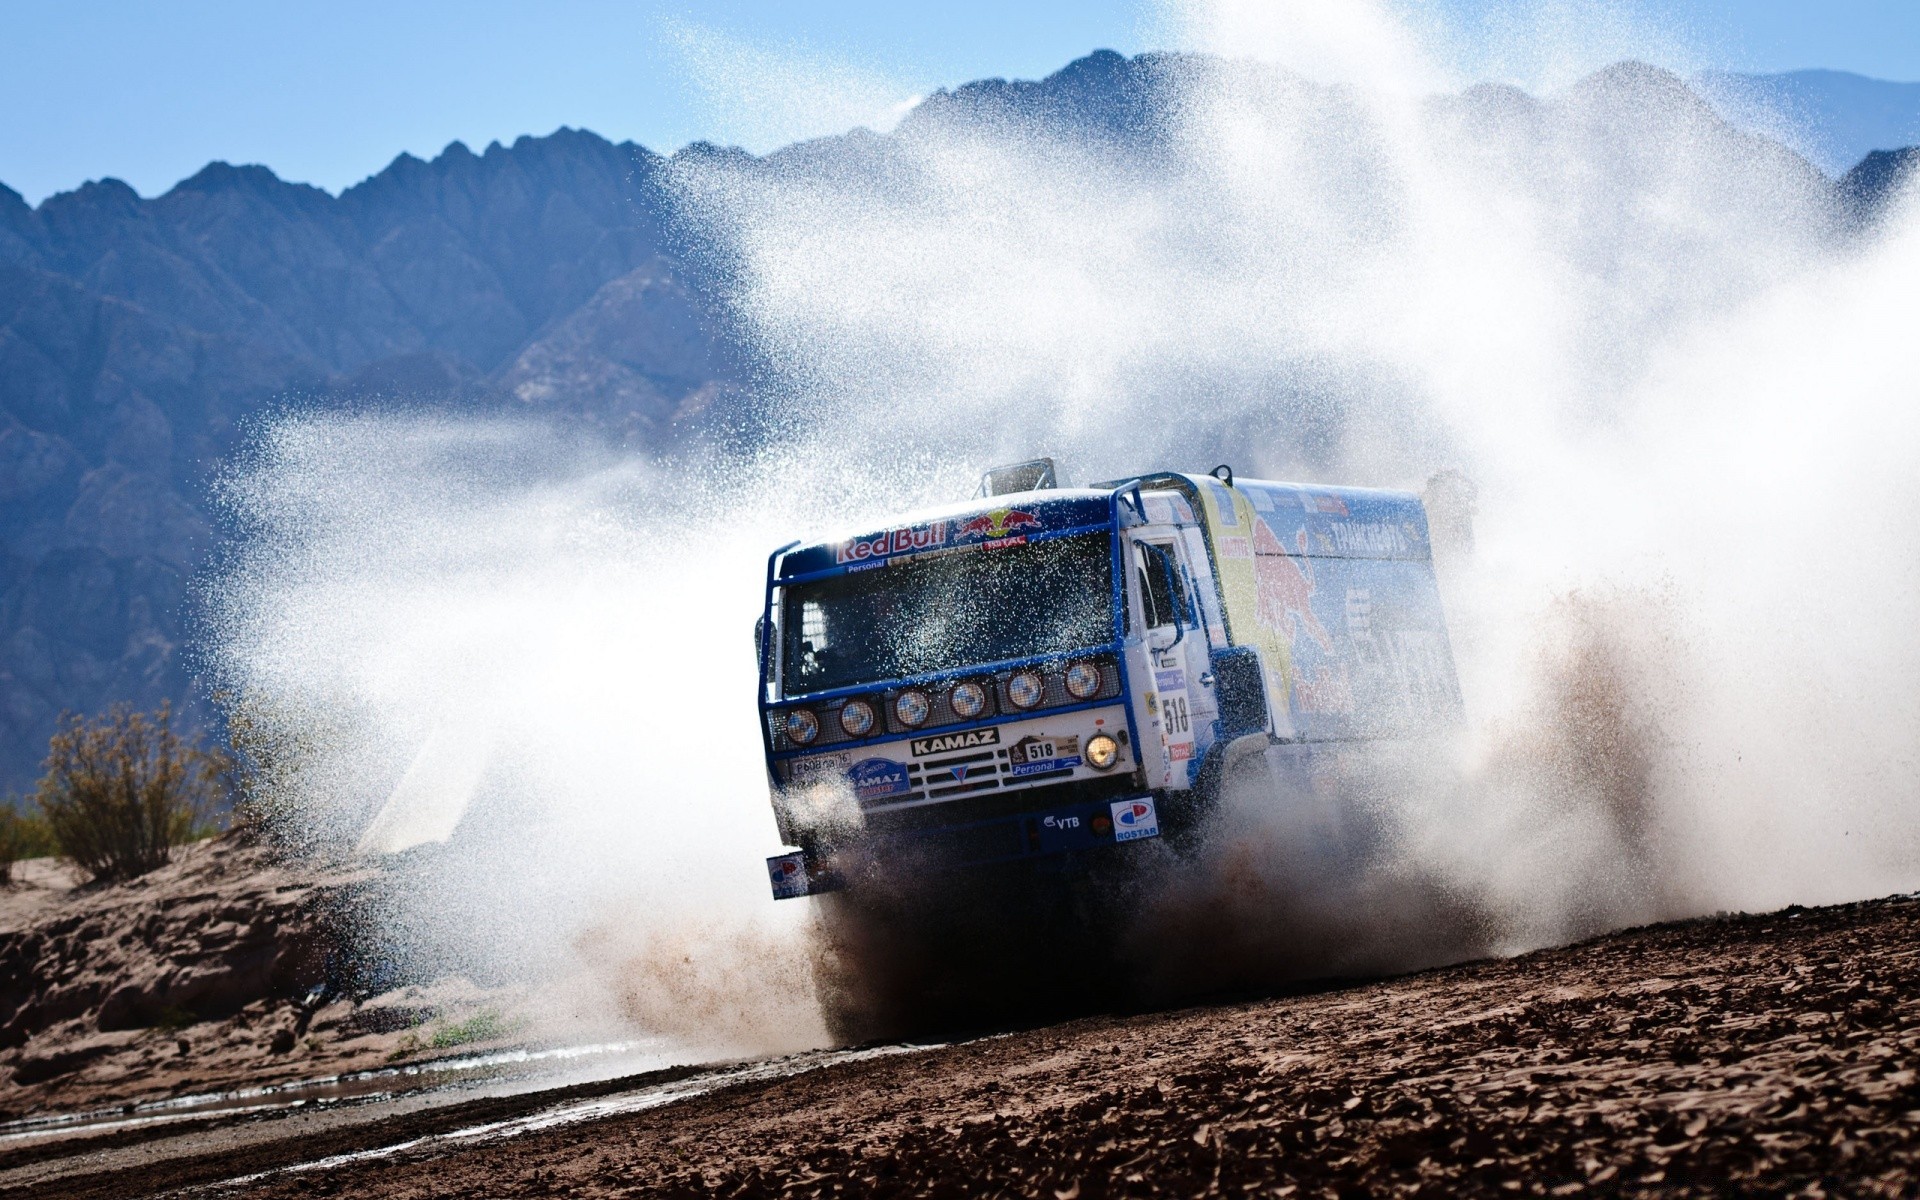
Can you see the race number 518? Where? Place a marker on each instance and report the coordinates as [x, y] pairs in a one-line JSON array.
[[1178, 723]]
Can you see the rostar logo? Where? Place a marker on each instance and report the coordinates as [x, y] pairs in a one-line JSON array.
[[1135, 819], [998, 523]]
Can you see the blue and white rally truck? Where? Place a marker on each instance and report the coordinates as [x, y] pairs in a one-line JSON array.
[[1062, 675]]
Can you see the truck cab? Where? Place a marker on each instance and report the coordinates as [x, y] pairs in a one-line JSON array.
[[1058, 674]]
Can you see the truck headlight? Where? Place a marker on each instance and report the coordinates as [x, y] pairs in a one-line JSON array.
[[1026, 688], [1102, 752], [1083, 680], [802, 726], [969, 700], [857, 718], [912, 708]]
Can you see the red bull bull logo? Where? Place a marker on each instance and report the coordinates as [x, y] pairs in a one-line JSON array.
[[1284, 599], [999, 523]]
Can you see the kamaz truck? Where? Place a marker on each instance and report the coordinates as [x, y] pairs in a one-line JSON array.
[[1066, 677]]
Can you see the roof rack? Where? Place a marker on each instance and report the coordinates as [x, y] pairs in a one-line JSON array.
[[1033, 475]]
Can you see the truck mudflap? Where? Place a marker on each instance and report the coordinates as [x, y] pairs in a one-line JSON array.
[[801, 874], [1065, 830]]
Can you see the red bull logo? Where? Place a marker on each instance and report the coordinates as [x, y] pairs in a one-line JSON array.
[[1284, 589], [890, 543], [1001, 522]]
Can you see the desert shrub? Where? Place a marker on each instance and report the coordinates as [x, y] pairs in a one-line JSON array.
[[21, 836], [269, 749], [122, 791]]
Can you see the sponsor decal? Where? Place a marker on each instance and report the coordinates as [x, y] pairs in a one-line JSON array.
[[1040, 753], [878, 778], [1170, 681], [1176, 725], [1165, 508], [1321, 502], [788, 874], [1267, 497], [1222, 501], [1328, 689], [999, 523], [890, 543], [1135, 819], [1284, 586], [1053, 822], [920, 747], [1368, 539]]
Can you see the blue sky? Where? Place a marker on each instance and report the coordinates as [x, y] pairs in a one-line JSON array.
[[327, 93]]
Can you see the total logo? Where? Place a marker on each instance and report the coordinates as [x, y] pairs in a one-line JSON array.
[[1135, 819], [998, 523]]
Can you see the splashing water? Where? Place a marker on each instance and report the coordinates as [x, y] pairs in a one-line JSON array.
[[1683, 387]]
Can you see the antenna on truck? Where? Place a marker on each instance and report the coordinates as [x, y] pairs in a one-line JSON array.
[[1031, 476]]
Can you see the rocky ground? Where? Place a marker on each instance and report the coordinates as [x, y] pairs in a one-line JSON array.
[[1750, 1055], [223, 969]]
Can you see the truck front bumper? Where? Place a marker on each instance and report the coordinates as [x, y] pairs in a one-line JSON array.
[[1068, 829]]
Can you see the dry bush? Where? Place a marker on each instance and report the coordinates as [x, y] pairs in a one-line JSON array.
[[121, 792], [269, 750], [21, 836]]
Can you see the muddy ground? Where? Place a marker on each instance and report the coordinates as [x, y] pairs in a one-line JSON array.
[[1763, 1055]]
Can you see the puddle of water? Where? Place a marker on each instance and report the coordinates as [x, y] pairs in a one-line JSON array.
[[497, 1073], [638, 1100]]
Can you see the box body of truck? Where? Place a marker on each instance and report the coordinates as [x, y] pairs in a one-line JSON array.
[[1062, 675]]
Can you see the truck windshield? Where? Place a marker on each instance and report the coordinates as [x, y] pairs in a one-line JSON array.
[[949, 611]]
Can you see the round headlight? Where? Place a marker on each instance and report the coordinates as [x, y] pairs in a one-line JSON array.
[[912, 708], [1083, 680], [802, 726], [857, 718], [1025, 689], [969, 700], [1102, 751]]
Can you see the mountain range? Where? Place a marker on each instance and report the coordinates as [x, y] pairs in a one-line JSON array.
[[139, 337], [1833, 118]]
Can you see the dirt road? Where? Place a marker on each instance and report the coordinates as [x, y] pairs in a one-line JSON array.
[[1751, 1055]]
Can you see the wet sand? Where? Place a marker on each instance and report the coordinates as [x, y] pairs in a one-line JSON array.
[[1765, 1055]]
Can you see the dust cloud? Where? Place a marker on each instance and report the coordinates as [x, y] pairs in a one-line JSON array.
[[1681, 382], [1676, 373]]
